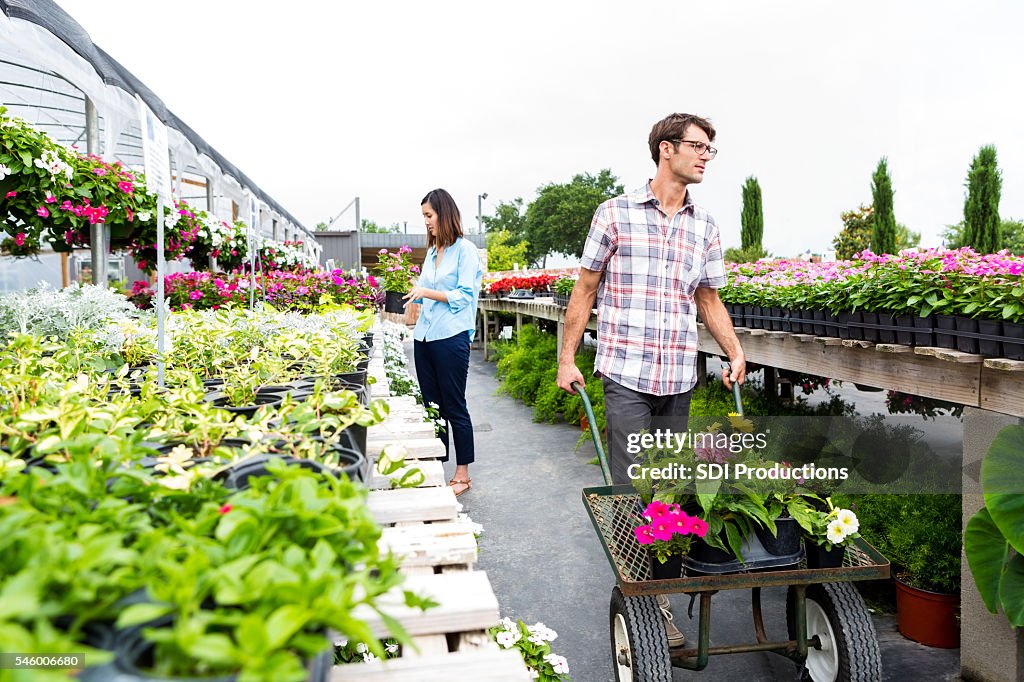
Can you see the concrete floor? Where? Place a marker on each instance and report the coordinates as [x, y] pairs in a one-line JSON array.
[[546, 564]]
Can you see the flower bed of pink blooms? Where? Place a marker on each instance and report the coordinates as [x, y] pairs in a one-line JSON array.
[[302, 291]]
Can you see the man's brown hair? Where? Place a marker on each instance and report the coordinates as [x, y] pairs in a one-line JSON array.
[[672, 128], [449, 220]]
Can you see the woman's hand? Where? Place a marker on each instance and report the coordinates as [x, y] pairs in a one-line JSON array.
[[417, 293]]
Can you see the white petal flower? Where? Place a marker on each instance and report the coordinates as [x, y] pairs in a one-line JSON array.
[[4, 171], [836, 533], [849, 520], [391, 648], [362, 648], [505, 639], [560, 665]]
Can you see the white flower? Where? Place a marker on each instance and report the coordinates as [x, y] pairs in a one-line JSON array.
[[507, 623], [4, 171], [536, 639], [367, 657], [506, 639], [534, 675], [391, 648], [849, 520], [362, 648], [144, 216], [836, 533], [559, 663]]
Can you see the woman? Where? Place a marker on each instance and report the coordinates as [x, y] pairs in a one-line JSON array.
[[448, 288]]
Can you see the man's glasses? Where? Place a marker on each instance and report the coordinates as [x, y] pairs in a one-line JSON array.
[[700, 148]]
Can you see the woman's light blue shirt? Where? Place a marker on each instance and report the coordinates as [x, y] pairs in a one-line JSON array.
[[459, 277]]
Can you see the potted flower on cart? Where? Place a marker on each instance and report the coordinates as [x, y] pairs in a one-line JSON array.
[[397, 273], [832, 531], [667, 535]]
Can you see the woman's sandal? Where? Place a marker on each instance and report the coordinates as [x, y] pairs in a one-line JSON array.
[[468, 482]]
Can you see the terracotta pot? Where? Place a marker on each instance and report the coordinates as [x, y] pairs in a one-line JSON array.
[[928, 617]]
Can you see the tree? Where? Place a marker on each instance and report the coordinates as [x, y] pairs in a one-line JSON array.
[[752, 217], [856, 233], [906, 238], [502, 253], [558, 220], [981, 209], [508, 218], [1011, 230], [883, 233], [371, 227], [320, 227]]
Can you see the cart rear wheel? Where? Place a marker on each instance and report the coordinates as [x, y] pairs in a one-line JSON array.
[[639, 643], [836, 614]]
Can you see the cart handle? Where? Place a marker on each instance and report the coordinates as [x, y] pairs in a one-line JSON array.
[[593, 432], [736, 397]]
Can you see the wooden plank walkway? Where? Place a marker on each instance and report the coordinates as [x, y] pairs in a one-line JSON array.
[[437, 549]]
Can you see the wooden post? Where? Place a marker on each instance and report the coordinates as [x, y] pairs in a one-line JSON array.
[[561, 335], [519, 324], [485, 329], [65, 277]]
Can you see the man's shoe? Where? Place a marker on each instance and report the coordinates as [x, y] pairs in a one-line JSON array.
[[675, 637]]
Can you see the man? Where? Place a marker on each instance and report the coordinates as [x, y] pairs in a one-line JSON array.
[[652, 260]]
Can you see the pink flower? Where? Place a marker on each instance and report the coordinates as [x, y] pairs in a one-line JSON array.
[[42, 212], [50, 199], [662, 529], [656, 509], [699, 527], [195, 294], [99, 171], [19, 239], [225, 509], [643, 535], [11, 195]]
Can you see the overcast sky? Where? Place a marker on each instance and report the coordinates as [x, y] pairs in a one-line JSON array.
[[321, 102]]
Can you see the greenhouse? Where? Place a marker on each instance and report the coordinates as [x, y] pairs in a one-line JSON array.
[[224, 458]]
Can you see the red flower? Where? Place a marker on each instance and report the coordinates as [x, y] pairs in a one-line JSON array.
[[226, 508]]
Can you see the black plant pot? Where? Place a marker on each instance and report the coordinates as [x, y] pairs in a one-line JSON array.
[[757, 318], [806, 318], [886, 327], [872, 324], [1013, 340], [852, 322], [818, 327], [671, 569], [923, 334], [236, 477], [393, 302], [367, 339], [905, 330], [817, 557], [778, 319], [991, 347], [965, 343], [838, 326], [912, 330], [748, 316], [945, 331], [220, 401], [786, 539]]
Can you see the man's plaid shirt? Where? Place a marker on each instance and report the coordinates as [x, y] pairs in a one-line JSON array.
[[652, 263]]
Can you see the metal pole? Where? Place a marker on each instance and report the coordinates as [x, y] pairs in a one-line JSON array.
[[97, 231], [359, 223], [161, 271], [209, 209], [479, 213]]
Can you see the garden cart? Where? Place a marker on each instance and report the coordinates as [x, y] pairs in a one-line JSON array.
[[831, 637]]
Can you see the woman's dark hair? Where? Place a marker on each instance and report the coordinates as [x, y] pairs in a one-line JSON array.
[[449, 220]]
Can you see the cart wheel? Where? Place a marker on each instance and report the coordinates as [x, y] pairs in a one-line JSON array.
[[639, 643], [849, 647]]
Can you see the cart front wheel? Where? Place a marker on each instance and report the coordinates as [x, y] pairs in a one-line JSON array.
[[848, 647], [639, 643]]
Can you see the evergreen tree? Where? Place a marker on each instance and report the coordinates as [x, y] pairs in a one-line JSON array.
[[752, 218], [982, 228], [883, 231]]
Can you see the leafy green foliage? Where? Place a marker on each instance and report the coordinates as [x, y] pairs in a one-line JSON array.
[[746, 255], [919, 534], [371, 227], [856, 233], [503, 253], [508, 217], [982, 229], [883, 233], [558, 220], [752, 217]]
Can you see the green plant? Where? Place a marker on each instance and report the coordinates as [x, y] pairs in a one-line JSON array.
[[534, 644], [392, 463], [752, 216], [920, 534], [982, 227], [855, 235], [564, 285], [883, 233], [668, 530], [395, 270], [832, 527], [993, 539]]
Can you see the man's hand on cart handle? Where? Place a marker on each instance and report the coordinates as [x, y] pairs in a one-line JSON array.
[[736, 371], [568, 373]]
